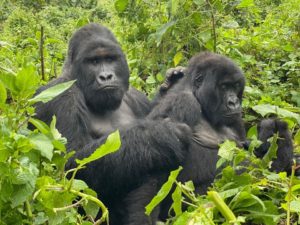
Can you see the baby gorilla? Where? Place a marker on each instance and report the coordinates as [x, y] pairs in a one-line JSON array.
[[266, 129]]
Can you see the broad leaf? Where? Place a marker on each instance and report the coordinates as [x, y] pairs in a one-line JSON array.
[[121, 5], [112, 144], [43, 144], [266, 109], [52, 92], [177, 58], [163, 192]]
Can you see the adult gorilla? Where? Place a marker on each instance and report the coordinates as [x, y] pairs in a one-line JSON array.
[[99, 103], [208, 98]]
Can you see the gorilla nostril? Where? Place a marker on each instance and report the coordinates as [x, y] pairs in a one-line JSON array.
[[109, 76], [102, 78], [233, 103]]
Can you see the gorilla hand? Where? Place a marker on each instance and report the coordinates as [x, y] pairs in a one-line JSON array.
[[173, 75]]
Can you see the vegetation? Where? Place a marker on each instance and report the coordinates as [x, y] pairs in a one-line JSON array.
[[262, 36]]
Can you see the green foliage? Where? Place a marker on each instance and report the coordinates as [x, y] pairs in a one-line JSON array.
[[245, 192], [33, 181], [262, 36]]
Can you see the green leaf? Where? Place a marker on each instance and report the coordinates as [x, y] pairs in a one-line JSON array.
[[40, 125], [43, 144], [265, 109], [150, 80], [295, 206], [52, 92], [221, 206], [177, 197], [9, 81], [177, 58], [79, 185], [3, 94], [112, 144], [82, 21], [163, 192], [252, 132], [27, 81], [246, 3], [173, 5], [121, 5], [91, 208], [54, 131], [158, 35], [21, 193], [183, 219], [226, 150], [297, 138], [270, 216], [272, 152]]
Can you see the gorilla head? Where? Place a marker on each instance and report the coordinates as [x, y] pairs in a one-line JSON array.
[[218, 85], [97, 62]]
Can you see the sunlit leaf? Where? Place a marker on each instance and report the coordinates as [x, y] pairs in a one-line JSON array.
[[177, 197], [158, 35], [52, 92], [112, 144], [3, 94], [245, 3], [43, 144], [163, 192], [177, 58], [266, 109], [121, 5]]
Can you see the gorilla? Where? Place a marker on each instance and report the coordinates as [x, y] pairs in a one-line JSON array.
[[100, 102], [208, 99], [266, 129]]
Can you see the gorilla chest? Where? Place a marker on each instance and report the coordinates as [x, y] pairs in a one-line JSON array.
[[110, 121]]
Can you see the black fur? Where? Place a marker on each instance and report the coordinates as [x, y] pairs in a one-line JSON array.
[[266, 129], [100, 102], [208, 99]]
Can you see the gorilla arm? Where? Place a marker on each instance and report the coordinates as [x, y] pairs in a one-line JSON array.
[[146, 147]]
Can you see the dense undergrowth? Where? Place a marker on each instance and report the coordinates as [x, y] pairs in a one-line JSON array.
[[262, 36]]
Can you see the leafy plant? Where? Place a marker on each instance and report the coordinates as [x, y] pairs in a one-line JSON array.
[[35, 188]]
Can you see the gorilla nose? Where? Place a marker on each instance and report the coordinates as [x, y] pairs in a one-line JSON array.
[[105, 77], [233, 103]]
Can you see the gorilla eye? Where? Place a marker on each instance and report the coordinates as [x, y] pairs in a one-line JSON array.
[[199, 79], [223, 86], [110, 58], [95, 60]]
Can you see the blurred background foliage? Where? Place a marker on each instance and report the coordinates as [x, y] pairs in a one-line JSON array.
[[262, 36]]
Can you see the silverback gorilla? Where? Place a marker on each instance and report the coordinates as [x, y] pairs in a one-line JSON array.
[[100, 102], [208, 99]]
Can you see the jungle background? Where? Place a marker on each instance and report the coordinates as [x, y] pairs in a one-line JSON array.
[[261, 36]]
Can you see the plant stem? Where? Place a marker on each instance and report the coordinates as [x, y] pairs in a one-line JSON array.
[[213, 22], [42, 53], [222, 207], [28, 209], [289, 196], [104, 210]]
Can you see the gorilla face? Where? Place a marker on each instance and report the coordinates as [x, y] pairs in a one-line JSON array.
[[218, 85], [101, 71]]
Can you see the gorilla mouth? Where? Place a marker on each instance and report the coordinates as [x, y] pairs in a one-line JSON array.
[[232, 114], [109, 87]]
